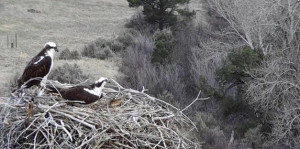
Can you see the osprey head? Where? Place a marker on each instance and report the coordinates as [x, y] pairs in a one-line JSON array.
[[101, 82], [51, 45]]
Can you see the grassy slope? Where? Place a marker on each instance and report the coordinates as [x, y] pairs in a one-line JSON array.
[[71, 24]]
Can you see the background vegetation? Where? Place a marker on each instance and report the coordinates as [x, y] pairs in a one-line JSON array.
[[243, 54], [249, 68]]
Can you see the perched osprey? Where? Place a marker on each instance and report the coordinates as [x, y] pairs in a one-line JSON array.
[[39, 67], [85, 93]]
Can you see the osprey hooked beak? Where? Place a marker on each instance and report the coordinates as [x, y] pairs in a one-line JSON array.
[[51, 45], [101, 82], [56, 49]]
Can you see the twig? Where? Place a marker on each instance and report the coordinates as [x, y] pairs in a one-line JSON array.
[[140, 121], [197, 98], [75, 119]]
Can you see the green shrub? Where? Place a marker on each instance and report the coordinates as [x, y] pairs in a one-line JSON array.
[[127, 38], [67, 73], [167, 96], [69, 55], [137, 22], [254, 137], [99, 49], [207, 89], [160, 53], [204, 119], [238, 61], [214, 138], [89, 50], [245, 126], [209, 131], [117, 46], [231, 106], [104, 53], [164, 42]]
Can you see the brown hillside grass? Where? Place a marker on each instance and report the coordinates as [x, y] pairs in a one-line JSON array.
[[71, 24]]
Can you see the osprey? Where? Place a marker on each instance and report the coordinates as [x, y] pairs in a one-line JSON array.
[[38, 69], [85, 93]]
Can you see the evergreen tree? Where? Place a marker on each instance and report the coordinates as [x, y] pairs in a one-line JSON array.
[[161, 11]]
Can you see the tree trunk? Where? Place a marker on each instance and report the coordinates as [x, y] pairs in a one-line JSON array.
[[161, 25], [161, 13]]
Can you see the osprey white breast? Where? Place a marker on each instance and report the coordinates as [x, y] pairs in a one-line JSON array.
[[39, 67]]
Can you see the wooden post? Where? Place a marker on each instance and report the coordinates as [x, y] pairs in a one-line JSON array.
[[7, 41], [16, 40], [11, 41]]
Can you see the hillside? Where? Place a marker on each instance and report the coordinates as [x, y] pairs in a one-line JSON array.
[[69, 24]]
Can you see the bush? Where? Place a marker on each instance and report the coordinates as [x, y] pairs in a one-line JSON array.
[[254, 137], [204, 119], [231, 106], [214, 138], [117, 46], [67, 73], [99, 49], [201, 56], [164, 44], [89, 50], [135, 58], [127, 38], [238, 61], [13, 84], [167, 96], [104, 53], [140, 72], [207, 89], [210, 132], [160, 54], [245, 126], [138, 23], [69, 55]]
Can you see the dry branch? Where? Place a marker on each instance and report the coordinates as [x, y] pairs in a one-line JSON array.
[[124, 118]]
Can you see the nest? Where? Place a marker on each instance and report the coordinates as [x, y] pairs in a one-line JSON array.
[[124, 118]]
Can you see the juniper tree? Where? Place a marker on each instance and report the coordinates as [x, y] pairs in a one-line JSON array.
[[161, 12]]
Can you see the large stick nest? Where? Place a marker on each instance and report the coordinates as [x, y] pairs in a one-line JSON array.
[[124, 118]]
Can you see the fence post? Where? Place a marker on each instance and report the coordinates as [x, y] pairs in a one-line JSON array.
[[12, 40], [7, 41], [16, 39]]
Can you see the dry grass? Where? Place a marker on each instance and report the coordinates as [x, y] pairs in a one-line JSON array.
[[96, 68], [71, 24], [125, 118]]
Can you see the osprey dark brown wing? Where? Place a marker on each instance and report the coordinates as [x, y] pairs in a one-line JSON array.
[[37, 67], [78, 93], [85, 93]]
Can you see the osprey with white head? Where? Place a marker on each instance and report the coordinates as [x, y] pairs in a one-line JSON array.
[[85, 93], [38, 69]]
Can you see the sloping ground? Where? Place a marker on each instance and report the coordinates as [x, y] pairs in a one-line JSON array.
[[71, 24], [124, 118], [96, 68]]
